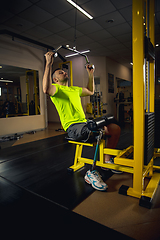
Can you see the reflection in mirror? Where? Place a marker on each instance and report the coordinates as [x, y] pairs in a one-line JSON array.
[[19, 92]]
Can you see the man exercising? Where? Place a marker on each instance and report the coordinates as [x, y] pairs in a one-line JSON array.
[[67, 101]]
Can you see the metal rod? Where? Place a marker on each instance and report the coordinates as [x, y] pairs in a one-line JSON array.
[[15, 35], [74, 50], [58, 48]]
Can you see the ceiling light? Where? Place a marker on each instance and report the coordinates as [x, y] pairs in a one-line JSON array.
[[131, 63], [110, 21], [74, 54], [5, 80], [80, 9], [157, 45]]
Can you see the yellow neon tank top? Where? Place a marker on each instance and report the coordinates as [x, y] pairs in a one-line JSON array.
[[68, 104]]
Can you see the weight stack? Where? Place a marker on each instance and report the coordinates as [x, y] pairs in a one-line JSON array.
[[149, 137], [157, 124]]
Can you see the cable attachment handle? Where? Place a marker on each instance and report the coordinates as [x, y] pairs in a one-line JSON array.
[[56, 51], [92, 66], [99, 137], [88, 62]]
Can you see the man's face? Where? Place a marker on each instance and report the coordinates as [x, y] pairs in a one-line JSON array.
[[61, 76]]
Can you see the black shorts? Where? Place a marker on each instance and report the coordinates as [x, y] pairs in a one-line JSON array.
[[79, 132]]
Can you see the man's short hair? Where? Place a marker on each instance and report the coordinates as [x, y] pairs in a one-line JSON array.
[[54, 72]]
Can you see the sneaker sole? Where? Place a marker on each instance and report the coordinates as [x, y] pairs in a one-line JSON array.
[[117, 172], [105, 169], [87, 180]]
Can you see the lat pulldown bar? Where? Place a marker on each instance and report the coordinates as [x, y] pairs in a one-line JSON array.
[[72, 50]]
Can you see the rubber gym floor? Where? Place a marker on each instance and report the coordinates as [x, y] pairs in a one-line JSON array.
[[39, 198]]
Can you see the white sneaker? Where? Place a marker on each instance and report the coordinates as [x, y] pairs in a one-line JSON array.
[[94, 178]]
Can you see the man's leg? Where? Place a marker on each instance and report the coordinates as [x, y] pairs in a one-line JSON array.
[[113, 132]]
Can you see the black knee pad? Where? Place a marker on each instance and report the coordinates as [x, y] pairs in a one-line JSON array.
[[110, 119], [98, 123]]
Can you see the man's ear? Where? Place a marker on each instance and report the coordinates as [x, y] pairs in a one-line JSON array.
[[55, 80]]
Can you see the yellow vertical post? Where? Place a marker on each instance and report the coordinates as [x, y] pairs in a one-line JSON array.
[[27, 95], [146, 68], [35, 92], [138, 94], [152, 63], [101, 151]]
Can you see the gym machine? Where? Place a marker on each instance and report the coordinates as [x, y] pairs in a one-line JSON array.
[[72, 50], [139, 158]]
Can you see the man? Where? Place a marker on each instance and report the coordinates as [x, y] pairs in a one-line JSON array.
[[68, 104]]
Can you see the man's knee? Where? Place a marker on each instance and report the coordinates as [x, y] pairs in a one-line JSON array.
[[114, 128]]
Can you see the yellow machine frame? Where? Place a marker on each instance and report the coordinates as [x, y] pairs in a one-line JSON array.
[[37, 108], [27, 95], [136, 165]]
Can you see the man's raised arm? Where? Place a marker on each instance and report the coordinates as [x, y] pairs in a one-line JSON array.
[[48, 88], [89, 90]]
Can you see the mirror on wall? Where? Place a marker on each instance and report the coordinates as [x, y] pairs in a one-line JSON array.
[[19, 92], [124, 90]]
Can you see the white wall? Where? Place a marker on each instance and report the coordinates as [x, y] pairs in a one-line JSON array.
[[20, 55]]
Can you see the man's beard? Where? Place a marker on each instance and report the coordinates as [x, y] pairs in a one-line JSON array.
[[66, 79]]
